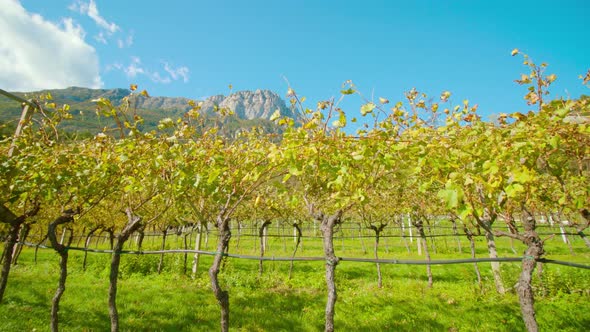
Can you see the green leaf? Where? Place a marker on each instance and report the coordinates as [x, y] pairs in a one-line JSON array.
[[554, 142], [450, 197], [464, 212], [514, 190], [286, 177], [357, 155], [337, 183], [213, 176], [293, 170], [490, 167], [523, 175], [562, 112]]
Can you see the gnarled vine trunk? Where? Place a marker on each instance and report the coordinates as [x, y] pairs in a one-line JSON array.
[[495, 265], [37, 246], [327, 225], [111, 232], [22, 237], [140, 237], [262, 236], [533, 252], [469, 235], [221, 295], [7, 254], [86, 244], [15, 223], [133, 223], [586, 215], [418, 222], [161, 262], [378, 231], [327, 228], [297, 241], [493, 253], [67, 216]]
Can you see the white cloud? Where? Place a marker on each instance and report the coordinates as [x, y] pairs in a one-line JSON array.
[[114, 66], [71, 27], [135, 69], [177, 73], [127, 42], [155, 77], [101, 38], [38, 54], [90, 9]]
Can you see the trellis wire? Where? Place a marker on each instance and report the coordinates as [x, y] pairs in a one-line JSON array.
[[147, 235], [349, 259]]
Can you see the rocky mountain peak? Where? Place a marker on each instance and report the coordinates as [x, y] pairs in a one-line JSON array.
[[249, 104]]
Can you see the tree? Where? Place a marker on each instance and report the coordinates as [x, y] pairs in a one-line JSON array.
[[23, 180], [329, 172], [214, 175]]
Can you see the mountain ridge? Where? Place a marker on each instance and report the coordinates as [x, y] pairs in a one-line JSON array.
[[251, 108], [247, 104]]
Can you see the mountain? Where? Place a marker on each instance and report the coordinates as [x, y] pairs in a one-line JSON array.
[[249, 105], [251, 108]]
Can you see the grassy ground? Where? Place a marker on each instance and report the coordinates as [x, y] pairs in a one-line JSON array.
[[273, 302]]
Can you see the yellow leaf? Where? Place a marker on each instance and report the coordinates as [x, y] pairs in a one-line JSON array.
[[367, 108], [337, 124], [310, 125], [514, 52], [275, 115], [133, 87]]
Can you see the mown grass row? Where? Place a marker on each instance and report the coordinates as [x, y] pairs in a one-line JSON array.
[[173, 301]]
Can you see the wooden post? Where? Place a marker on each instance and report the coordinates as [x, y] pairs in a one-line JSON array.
[[197, 247], [410, 228], [24, 119]]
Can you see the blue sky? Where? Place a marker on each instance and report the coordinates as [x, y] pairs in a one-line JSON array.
[[197, 48]]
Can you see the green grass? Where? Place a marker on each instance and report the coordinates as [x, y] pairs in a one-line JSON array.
[[272, 302]]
